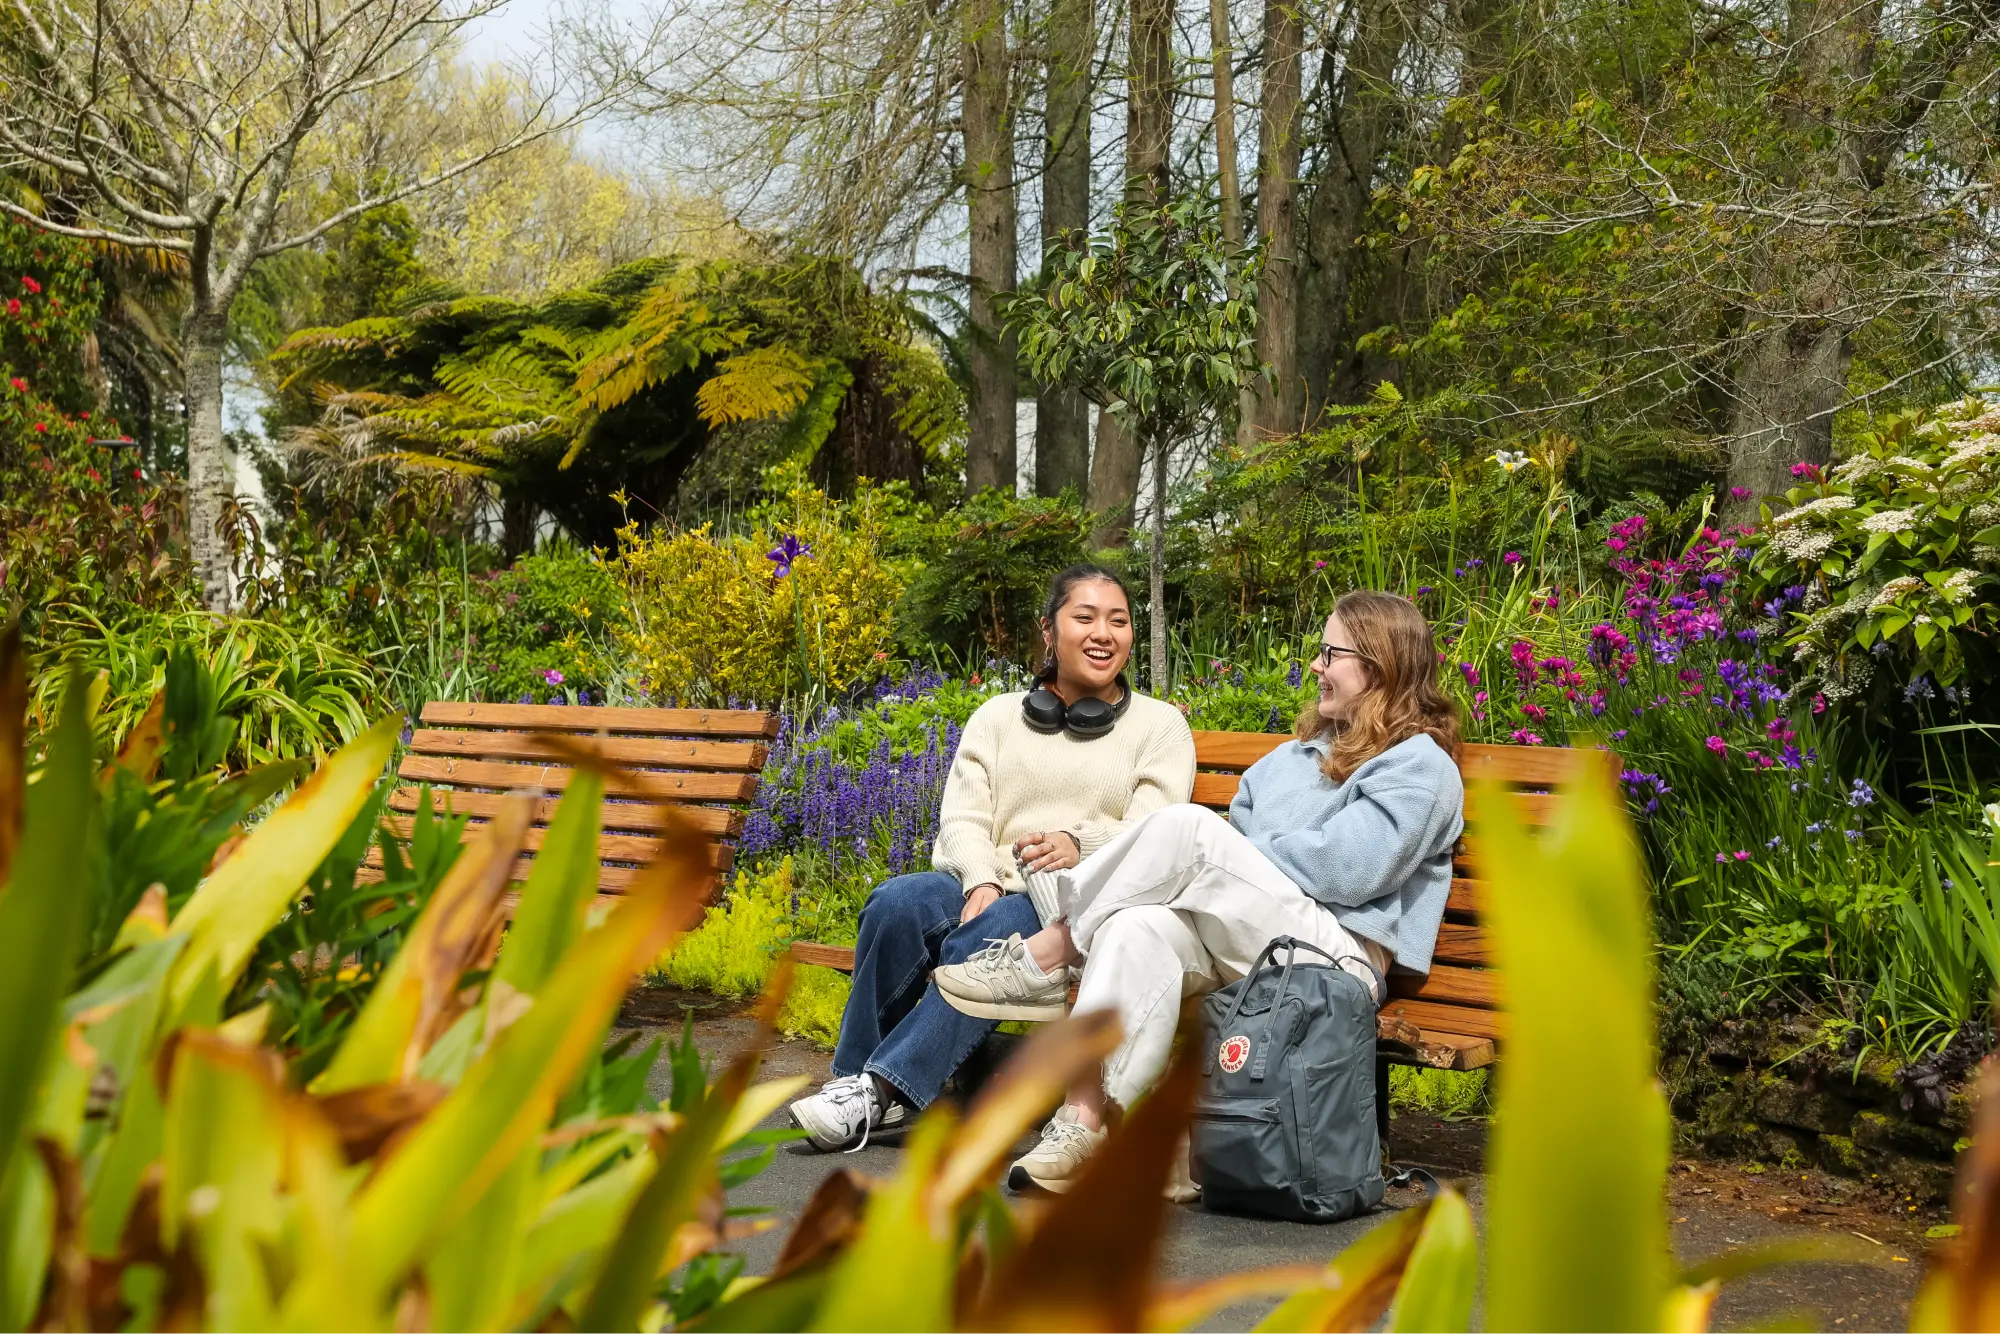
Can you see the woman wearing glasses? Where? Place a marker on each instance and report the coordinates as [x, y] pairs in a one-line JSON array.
[[1341, 838]]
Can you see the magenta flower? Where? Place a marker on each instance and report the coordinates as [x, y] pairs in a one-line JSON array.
[[1740, 493], [553, 677], [1718, 745], [1806, 472], [1511, 558], [1523, 737]]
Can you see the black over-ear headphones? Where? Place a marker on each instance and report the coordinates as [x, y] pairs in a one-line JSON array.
[[1087, 719]]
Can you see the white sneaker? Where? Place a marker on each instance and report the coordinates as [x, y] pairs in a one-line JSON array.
[[1056, 1162], [845, 1112], [1002, 982]]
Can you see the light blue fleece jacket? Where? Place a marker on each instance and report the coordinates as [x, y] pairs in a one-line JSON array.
[[1376, 850]]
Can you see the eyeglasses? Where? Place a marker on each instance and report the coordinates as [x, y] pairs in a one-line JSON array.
[[1328, 652]]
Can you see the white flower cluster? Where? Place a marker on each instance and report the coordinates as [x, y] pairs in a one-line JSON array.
[[1972, 450], [1857, 469], [1813, 509], [1904, 461], [1958, 586], [1801, 544], [1892, 521], [1894, 589]]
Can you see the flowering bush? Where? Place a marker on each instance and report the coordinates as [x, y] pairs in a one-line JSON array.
[[802, 604], [1890, 555], [79, 522]]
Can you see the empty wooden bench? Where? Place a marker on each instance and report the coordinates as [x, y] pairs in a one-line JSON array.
[[1449, 1019], [703, 763]]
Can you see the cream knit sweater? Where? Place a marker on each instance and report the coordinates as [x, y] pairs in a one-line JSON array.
[[1009, 780]]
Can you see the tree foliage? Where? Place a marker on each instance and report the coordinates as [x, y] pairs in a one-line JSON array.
[[621, 385]]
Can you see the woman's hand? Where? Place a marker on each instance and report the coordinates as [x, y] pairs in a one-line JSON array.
[[978, 901], [1053, 851]]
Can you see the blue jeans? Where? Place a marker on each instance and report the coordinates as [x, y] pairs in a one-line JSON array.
[[896, 1025]]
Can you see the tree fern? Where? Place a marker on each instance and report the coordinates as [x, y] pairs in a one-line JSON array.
[[761, 382]]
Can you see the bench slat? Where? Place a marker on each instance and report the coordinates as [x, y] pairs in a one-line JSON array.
[[610, 847], [1432, 1016], [593, 718], [1216, 791], [437, 769], [652, 752], [716, 821], [1452, 986], [1444, 1051], [840, 957], [1528, 766], [1234, 750], [1462, 943]]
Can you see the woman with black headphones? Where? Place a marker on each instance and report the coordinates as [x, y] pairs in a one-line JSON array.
[[1042, 779]]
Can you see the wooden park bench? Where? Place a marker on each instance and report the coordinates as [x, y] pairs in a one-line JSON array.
[[703, 763], [1449, 1019]]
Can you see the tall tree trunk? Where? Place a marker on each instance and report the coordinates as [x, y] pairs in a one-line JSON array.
[[210, 485], [1792, 376], [1359, 107], [1222, 57], [1280, 399], [1149, 107], [1156, 574], [1149, 103], [1062, 416], [990, 450]]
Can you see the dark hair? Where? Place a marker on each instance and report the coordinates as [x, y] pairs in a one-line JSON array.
[[1060, 588]]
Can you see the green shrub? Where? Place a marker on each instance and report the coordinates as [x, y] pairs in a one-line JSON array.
[[545, 627], [801, 606], [737, 945], [985, 569]]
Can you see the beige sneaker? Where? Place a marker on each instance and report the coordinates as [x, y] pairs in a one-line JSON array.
[[1002, 982], [1056, 1162]]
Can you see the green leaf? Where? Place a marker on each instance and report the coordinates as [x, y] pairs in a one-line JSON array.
[[1438, 1285], [43, 916], [1576, 1232], [248, 894], [560, 889], [901, 1235]]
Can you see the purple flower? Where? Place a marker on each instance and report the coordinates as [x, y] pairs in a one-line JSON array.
[[1294, 674], [788, 550], [553, 677], [1423, 589], [1861, 794], [1511, 558]]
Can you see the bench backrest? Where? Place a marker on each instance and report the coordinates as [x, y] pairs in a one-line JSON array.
[[702, 763], [1458, 1000]]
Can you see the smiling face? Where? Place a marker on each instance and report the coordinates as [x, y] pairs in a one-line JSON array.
[[1344, 679], [1090, 638]]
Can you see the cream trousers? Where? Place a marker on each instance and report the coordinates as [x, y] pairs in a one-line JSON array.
[[1178, 905]]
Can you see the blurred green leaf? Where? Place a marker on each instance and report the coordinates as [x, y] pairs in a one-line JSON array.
[[1576, 1230], [1443, 1271]]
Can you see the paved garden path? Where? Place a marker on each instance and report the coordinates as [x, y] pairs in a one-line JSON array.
[[1715, 1205]]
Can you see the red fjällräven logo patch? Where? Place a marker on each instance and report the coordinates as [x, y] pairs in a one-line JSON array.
[[1235, 1051]]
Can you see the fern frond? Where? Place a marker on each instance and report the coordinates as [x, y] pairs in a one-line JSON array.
[[763, 382]]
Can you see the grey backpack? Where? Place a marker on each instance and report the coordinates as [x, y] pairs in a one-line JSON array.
[[1285, 1124]]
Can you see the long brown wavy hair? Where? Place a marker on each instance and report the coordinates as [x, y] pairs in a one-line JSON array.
[[1402, 661]]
